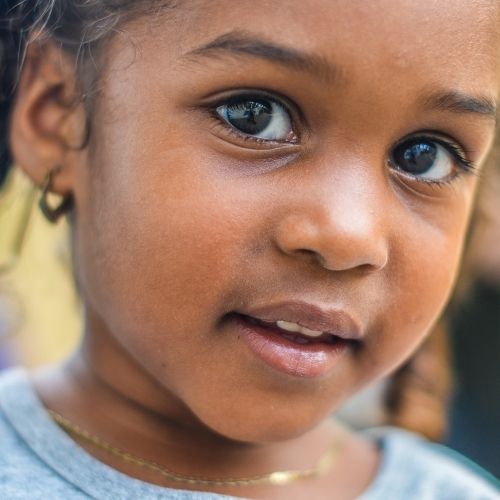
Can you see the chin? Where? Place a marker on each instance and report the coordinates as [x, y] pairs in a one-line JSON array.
[[268, 425]]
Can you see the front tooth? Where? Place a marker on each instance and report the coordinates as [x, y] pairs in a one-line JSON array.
[[310, 333], [289, 327], [293, 327]]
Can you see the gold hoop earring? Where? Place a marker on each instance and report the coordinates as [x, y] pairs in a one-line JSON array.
[[53, 214]]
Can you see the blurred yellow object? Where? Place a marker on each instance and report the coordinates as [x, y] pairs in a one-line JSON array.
[[43, 316]]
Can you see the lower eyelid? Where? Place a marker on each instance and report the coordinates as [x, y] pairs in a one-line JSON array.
[[421, 188], [431, 183], [221, 126]]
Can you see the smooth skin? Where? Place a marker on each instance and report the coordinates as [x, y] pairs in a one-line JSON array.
[[180, 219]]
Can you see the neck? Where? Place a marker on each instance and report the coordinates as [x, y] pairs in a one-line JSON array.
[[112, 395]]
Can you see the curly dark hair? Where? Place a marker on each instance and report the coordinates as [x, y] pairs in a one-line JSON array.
[[77, 26]]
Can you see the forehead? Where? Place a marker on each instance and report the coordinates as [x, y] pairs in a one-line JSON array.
[[378, 22], [459, 39]]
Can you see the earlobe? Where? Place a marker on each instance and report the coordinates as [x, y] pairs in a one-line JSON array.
[[47, 118]]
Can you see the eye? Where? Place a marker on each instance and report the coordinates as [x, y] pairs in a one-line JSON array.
[[427, 159], [258, 117]]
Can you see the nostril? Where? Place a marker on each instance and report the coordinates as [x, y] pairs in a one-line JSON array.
[[333, 265], [308, 252], [311, 255]]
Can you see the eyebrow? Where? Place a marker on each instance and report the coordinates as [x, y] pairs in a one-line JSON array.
[[458, 102], [243, 43]]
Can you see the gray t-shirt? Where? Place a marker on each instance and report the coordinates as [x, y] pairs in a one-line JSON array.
[[38, 461]]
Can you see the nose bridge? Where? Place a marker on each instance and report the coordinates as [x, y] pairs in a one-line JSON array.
[[339, 214]]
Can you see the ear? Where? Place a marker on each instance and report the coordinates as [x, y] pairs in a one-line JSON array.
[[48, 121]]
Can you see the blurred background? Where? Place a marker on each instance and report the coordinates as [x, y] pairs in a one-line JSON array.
[[449, 391]]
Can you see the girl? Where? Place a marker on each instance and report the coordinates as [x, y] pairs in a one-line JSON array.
[[268, 203]]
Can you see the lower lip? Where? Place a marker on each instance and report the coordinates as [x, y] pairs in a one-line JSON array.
[[299, 360]]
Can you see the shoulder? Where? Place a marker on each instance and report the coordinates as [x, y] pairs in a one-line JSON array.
[[413, 467], [39, 461], [13, 451], [23, 475]]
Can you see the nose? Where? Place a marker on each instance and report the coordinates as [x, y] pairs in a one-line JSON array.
[[341, 223]]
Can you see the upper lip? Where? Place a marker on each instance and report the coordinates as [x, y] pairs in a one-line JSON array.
[[314, 317]]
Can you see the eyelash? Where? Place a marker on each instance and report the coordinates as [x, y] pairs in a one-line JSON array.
[[459, 153], [219, 122], [291, 108]]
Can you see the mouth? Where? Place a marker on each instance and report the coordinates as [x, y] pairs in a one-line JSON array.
[[292, 348], [294, 332]]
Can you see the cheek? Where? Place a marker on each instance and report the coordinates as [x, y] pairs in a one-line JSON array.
[[419, 280], [158, 251]]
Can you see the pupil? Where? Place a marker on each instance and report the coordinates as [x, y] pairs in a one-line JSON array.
[[415, 158], [250, 117]]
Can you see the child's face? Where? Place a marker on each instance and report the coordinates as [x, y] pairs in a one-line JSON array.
[[354, 198]]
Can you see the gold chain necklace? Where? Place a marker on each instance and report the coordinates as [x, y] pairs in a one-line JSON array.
[[278, 478]]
